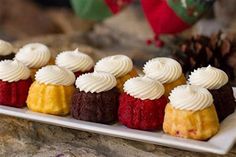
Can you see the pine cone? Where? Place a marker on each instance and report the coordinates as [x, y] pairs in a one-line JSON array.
[[219, 50]]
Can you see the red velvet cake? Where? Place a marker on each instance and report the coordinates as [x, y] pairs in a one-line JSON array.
[[14, 83], [14, 93], [142, 105]]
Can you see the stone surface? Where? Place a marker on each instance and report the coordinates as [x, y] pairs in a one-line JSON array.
[[22, 138]]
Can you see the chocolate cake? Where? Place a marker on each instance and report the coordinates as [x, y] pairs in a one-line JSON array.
[[222, 95], [95, 107], [6, 50], [217, 82], [7, 57]]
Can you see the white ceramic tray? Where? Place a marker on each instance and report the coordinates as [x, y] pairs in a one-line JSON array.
[[219, 144]]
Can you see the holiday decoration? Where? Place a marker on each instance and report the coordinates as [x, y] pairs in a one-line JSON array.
[[219, 51], [173, 16], [164, 16], [98, 9]]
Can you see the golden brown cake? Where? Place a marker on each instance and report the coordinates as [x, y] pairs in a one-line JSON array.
[[121, 80], [120, 66], [34, 56], [188, 124], [166, 70], [191, 113], [52, 91], [34, 70], [170, 86]]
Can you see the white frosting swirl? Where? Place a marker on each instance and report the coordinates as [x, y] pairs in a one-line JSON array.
[[144, 88], [55, 75], [208, 77], [190, 98], [5, 48], [34, 55], [96, 82], [13, 71], [163, 69], [75, 61], [118, 65]]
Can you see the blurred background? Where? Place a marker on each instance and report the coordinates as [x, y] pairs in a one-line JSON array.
[[29, 18]]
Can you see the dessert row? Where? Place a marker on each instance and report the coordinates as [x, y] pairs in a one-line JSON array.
[[111, 90]]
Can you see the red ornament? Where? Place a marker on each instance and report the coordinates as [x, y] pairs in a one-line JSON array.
[[149, 42], [173, 16], [117, 5], [162, 18]]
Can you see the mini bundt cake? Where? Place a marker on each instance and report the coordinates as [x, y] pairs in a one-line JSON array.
[[96, 98], [52, 90], [14, 83], [191, 113], [120, 66], [217, 82], [6, 50], [142, 104], [76, 61], [166, 70], [34, 56]]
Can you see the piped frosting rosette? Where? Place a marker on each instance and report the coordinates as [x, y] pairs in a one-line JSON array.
[[163, 69], [75, 61], [55, 75], [208, 77], [13, 71], [96, 82], [144, 88], [34, 55], [5, 48], [118, 65], [190, 98]]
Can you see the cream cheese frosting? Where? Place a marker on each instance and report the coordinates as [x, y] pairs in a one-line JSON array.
[[55, 75], [5, 48], [118, 65], [190, 98], [144, 88], [96, 82], [208, 77], [34, 55], [163, 69], [13, 71], [75, 61]]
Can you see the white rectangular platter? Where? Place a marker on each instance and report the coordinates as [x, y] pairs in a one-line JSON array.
[[219, 144]]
